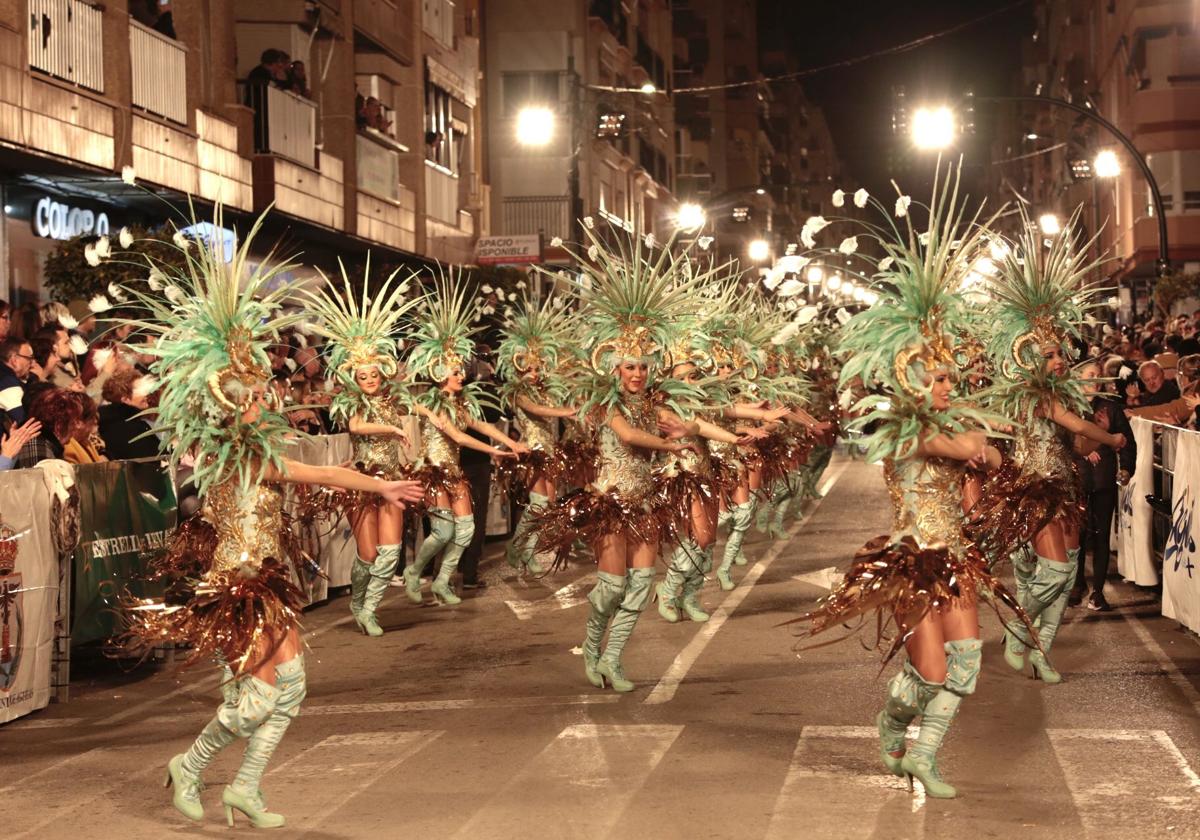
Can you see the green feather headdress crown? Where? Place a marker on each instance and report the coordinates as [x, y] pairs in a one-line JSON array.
[[442, 338]]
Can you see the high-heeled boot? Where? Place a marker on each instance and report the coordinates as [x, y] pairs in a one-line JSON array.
[[1024, 563], [777, 528], [441, 531], [739, 523], [603, 599], [907, 693], [667, 591], [637, 595], [1050, 580], [699, 564], [520, 548], [464, 532], [244, 794], [1048, 624], [360, 574], [964, 658], [240, 715], [380, 578]]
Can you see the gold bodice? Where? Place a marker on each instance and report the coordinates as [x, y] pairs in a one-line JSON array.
[[622, 468], [536, 432], [1042, 448], [379, 452], [436, 447], [248, 523], [724, 451], [926, 495]]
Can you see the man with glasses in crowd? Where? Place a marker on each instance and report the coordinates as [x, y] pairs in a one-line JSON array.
[[16, 357]]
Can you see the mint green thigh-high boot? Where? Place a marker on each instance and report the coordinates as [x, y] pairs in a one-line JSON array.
[[464, 532], [699, 564], [239, 716], [379, 578], [244, 794], [777, 529], [667, 592], [1024, 564], [638, 583], [1048, 624], [360, 574], [520, 548], [1050, 580], [963, 660], [739, 518], [907, 693], [441, 531], [604, 598]]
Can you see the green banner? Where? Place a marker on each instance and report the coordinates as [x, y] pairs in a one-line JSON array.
[[126, 510]]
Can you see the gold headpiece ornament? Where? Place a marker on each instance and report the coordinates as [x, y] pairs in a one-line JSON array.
[[242, 369], [933, 353], [1041, 336], [634, 342], [361, 353], [530, 357]]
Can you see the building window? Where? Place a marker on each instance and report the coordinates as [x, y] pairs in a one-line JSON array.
[[437, 19], [442, 139], [525, 89]]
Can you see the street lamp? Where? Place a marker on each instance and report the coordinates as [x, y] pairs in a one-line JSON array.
[[648, 88], [1049, 224], [535, 126], [816, 274], [690, 216], [933, 128], [834, 283], [1106, 164], [759, 250]]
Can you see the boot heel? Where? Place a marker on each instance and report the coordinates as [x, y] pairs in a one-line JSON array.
[[229, 813], [908, 778]]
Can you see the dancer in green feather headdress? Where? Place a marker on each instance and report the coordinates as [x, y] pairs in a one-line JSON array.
[[924, 578], [450, 406], [1039, 306], [529, 360], [360, 333], [209, 333]]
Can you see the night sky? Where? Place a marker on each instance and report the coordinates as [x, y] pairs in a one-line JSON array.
[[858, 100]]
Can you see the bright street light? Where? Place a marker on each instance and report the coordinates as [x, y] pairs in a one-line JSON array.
[[1106, 164], [648, 88], [535, 126], [834, 283], [815, 274], [690, 216], [759, 250], [933, 128], [1049, 224]]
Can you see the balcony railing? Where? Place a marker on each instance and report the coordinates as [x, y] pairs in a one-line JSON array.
[[285, 124], [441, 194], [66, 40], [378, 168], [545, 214], [159, 66]]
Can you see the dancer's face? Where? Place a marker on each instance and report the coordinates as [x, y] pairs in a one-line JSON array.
[[940, 389], [454, 382], [533, 373], [369, 379], [1055, 362], [686, 373], [725, 370], [633, 376]]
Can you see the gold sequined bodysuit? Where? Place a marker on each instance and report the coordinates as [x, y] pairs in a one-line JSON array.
[[248, 523], [437, 448], [727, 453], [926, 498], [536, 432], [1043, 448], [622, 468], [379, 453]]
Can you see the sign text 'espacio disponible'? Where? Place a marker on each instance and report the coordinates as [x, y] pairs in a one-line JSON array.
[[508, 250], [55, 220]]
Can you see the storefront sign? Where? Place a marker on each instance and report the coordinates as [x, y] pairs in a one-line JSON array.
[[508, 250], [55, 220]]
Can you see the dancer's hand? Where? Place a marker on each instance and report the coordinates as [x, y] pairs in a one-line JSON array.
[[503, 454], [1118, 441], [10, 444], [519, 448], [399, 434], [672, 428], [1094, 457], [399, 492], [777, 413]]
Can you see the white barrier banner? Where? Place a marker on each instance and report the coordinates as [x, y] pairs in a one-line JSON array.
[[28, 593], [1135, 553], [1181, 571]]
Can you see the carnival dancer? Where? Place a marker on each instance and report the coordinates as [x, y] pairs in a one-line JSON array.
[[529, 360], [1039, 306], [925, 577], [231, 591], [631, 297], [371, 404], [442, 344]]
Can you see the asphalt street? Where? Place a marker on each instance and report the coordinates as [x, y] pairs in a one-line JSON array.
[[476, 722]]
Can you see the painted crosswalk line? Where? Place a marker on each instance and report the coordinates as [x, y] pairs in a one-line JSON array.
[[572, 595], [584, 779]]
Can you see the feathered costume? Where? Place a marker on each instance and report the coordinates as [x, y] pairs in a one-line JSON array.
[[927, 564], [360, 335]]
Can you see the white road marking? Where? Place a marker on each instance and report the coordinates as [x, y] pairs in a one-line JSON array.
[[42, 723], [823, 767], [571, 595], [468, 703], [582, 783], [1129, 782], [1170, 669], [665, 690], [822, 578]]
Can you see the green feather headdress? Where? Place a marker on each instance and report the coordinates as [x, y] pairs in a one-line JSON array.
[[360, 332], [912, 330], [209, 332], [1039, 302]]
